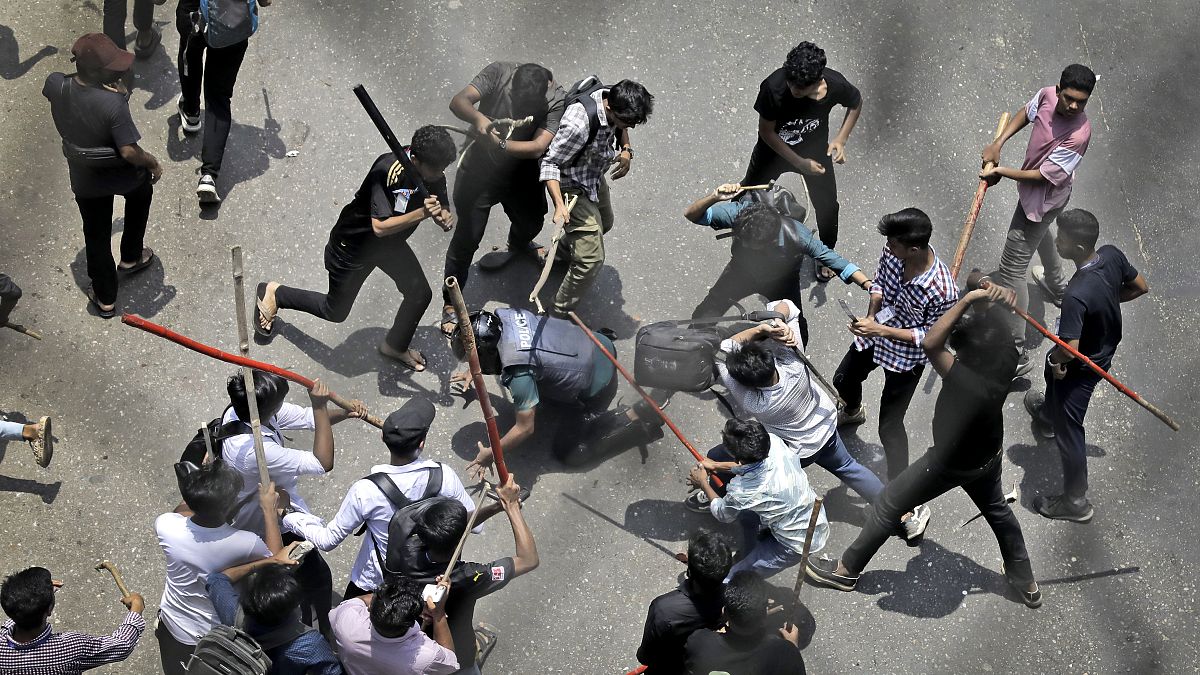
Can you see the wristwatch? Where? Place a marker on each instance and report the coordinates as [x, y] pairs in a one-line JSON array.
[[503, 144], [628, 149]]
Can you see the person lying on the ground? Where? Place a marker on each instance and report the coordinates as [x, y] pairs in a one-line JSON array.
[[28, 643]]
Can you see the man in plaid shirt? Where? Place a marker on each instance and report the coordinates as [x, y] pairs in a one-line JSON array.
[[575, 165], [28, 645], [912, 289]]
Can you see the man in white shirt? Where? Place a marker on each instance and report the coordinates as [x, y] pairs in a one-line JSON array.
[[768, 490], [285, 466], [197, 540], [768, 381], [404, 433]]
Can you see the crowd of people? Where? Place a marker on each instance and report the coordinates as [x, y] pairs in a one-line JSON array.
[[245, 572]]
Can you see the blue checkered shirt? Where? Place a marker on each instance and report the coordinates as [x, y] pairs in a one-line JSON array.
[[917, 303], [68, 653], [569, 162]]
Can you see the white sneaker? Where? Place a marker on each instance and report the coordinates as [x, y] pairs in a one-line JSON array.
[[915, 525], [206, 191], [190, 123]]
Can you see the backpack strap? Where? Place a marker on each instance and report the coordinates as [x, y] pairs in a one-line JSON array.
[[283, 635], [593, 113], [389, 489], [433, 486]]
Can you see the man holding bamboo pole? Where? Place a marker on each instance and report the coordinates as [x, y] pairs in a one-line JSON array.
[[1060, 137], [1091, 323]]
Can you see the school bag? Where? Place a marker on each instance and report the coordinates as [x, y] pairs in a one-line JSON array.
[[779, 198], [581, 92], [404, 554], [226, 650], [228, 22], [197, 448], [681, 355]]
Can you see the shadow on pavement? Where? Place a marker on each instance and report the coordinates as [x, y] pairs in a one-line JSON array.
[[145, 293], [11, 65], [1042, 468], [48, 492]]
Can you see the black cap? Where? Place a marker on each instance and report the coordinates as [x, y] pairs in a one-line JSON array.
[[407, 427]]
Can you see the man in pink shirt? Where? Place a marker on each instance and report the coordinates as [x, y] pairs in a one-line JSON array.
[[379, 633], [1060, 136]]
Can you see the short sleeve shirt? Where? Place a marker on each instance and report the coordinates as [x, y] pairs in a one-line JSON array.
[[803, 123], [968, 418], [1091, 310], [93, 117], [1056, 147], [468, 583], [494, 84], [387, 191]]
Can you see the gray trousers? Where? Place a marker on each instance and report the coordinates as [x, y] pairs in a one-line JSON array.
[[1026, 237]]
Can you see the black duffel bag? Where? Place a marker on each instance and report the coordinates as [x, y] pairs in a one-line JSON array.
[[680, 355]]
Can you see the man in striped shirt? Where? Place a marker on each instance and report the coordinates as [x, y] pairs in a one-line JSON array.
[[1060, 136], [582, 150], [912, 289], [28, 644]]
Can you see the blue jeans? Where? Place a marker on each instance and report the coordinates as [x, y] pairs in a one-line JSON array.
[[11, 431], [834, 458]]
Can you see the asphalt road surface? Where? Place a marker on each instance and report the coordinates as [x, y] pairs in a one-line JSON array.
[[935, 76]]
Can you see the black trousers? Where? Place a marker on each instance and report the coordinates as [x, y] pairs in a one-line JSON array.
[[316, 587], [216, 70], [97, 213], [476, 191], [347, 273], [898, 391], [766, 165], [734, 283], [115, 12], [1066, 405], [172, 654], [10, 293], [926, 480]]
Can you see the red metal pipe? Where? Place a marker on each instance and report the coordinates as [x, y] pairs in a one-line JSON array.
[[646, 397], [213, 352]]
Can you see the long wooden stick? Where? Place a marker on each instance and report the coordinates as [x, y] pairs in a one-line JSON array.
[[551, 253], [466, 533], [467, 335], [23, 330], [212, 352], [976, 204], [808, 536], [642, 392], [239, 299]]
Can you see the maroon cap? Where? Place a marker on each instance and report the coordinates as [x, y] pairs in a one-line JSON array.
[[96, 50]]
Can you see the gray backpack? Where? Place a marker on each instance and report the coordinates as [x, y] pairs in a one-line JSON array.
[[226, 650]]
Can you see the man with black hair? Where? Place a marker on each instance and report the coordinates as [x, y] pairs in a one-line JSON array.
[[768, 248], [1060, 137], [544, 359], [441, 527], [270, 601], [968, 442], [746, 646], [793, 107], [498, 170], [197, 540], [695, 605], [100, 142], [766, 492], [768, 382], [575, 164], [404, 434], [29, 645], [380, 633], [1091, 323], [372, 233], [913, 288], [215, 70]]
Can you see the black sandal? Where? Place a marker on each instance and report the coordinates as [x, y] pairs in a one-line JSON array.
[[104, 313], [448, 316], [143, 262], [485, 642]]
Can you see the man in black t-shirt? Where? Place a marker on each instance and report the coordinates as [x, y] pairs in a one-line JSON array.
[[1091, 323], [499, 170], [372, 233], [695, 605], [91, 113], [968, 437], [746, 647], [793, 105]]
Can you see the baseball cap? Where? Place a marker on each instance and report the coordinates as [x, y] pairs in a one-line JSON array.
[[96, 51], [407, 426]]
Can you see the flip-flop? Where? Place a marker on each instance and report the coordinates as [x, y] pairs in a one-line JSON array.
[[147, 51], [104, 313], [260, 292], [147, 259], [485, 642], [448, 316]]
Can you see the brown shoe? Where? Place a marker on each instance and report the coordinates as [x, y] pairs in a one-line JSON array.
[[42, 443]]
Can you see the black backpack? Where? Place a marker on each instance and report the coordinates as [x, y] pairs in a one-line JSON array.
[[581, 92], [228, 650], [682, 355], [405, 552], [197, 448], [779, 198]]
